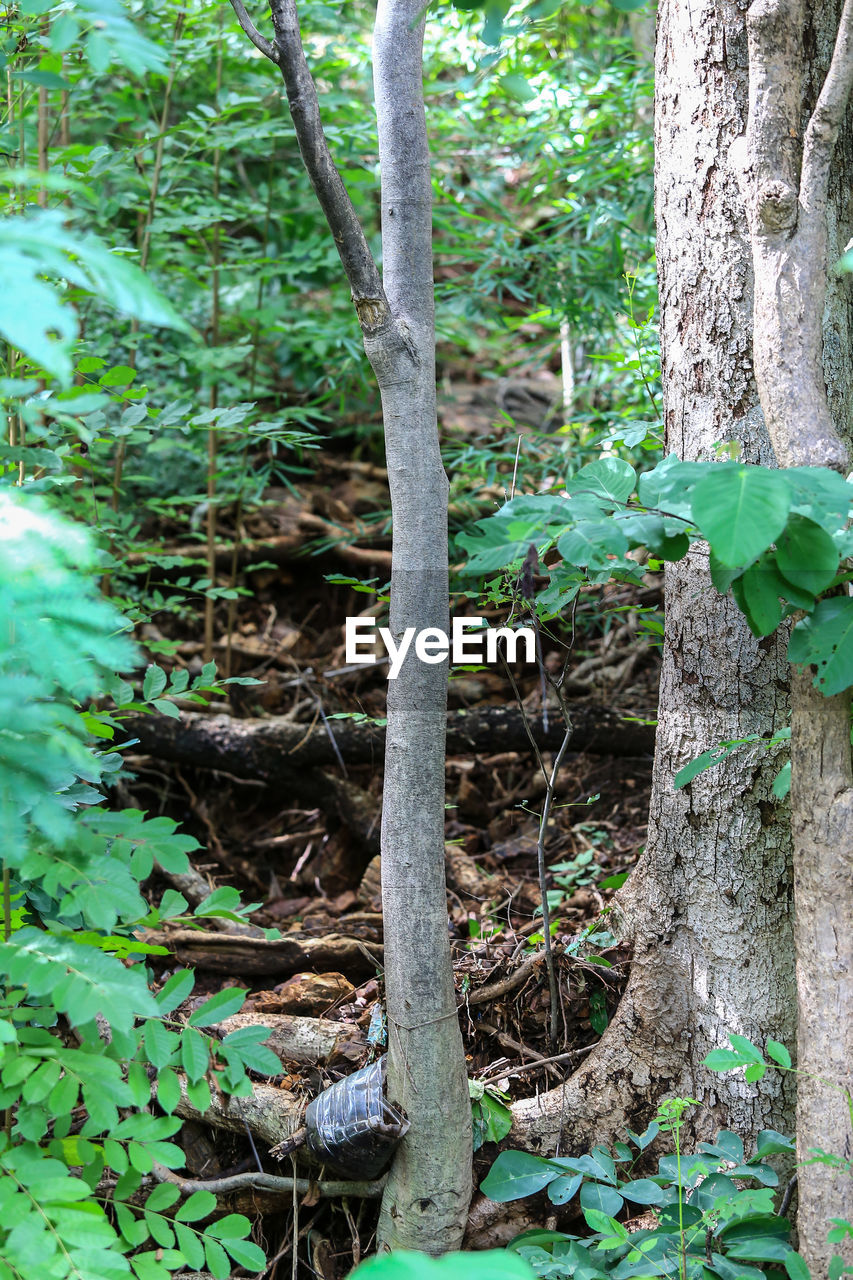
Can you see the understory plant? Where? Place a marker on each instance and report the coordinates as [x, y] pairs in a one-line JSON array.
[[85, 1138], [714, 1217]]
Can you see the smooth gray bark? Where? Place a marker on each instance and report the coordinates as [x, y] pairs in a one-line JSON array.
[[426, 1200], [786, 185], [429, 1187]]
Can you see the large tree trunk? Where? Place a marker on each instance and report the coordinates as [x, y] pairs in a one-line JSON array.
[[796, 223], [708, 909], [426, 1200]]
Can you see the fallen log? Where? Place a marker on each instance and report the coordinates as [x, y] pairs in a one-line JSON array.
[[229, 953], [298, 1039], [277, 750]]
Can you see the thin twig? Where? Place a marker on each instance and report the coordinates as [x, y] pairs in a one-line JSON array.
[[531, 1066]]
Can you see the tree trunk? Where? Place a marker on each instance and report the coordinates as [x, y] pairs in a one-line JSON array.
[[708, 909], [426, 1200], [795, 228], [429, 1187]]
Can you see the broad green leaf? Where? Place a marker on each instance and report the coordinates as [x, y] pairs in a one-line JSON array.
[[806, 555], [607, 478], [592, 545], [741, 510], [723, 1060], [750, 1052], [516, 1174], [643, 1191], [825, 639], [563, 1189], [596, 1196], [162, 1197], [168, 1090], [796, 1267]]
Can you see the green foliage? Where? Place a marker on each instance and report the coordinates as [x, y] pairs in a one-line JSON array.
[[68, 954], [37, 316], [709, 1223], [491, 1264], [491, 1117], [778, 540]]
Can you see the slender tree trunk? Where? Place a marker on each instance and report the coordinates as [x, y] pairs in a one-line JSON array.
[[425, 1205], [426, 1198], [708, 909], [794, 227]]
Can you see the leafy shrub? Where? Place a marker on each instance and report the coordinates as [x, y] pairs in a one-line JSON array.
[[709, 1225], [79, 1025]]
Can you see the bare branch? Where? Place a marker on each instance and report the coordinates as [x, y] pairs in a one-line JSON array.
[[822, 129], [266, 47], [361, 270], [269, 1182]]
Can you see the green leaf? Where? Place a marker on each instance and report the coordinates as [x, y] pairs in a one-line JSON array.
[[606, 1200], [168, 1090], [516, 1174], [175, 990], [563, 1189], [190, 1246], [643, 1191], [195, 1057], [217, 1259], [608, 478], [724, 1060], [246, 1254], [221, 1005], [198, 1092], [154, 682], [825, 639], [741, 510], [162, 1197], [199, 1205], [769, 1142], [160, 1043], [806, 555], [745, 1047], [490, 1264], [592, 544], [778, 1053]]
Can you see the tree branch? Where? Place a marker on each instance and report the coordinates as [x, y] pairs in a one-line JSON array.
[[269, 1182], [361, 270], [822, 129], [266, 47]]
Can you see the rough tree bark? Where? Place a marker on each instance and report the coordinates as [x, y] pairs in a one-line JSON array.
[[708, 909], [787, 196], [426, 1199]]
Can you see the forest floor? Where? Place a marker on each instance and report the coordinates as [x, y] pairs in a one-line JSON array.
[[293, 820]]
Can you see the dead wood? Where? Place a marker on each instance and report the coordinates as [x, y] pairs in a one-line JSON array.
[[307, 1040], [277, 750], [271, 1114], [224, 953]]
